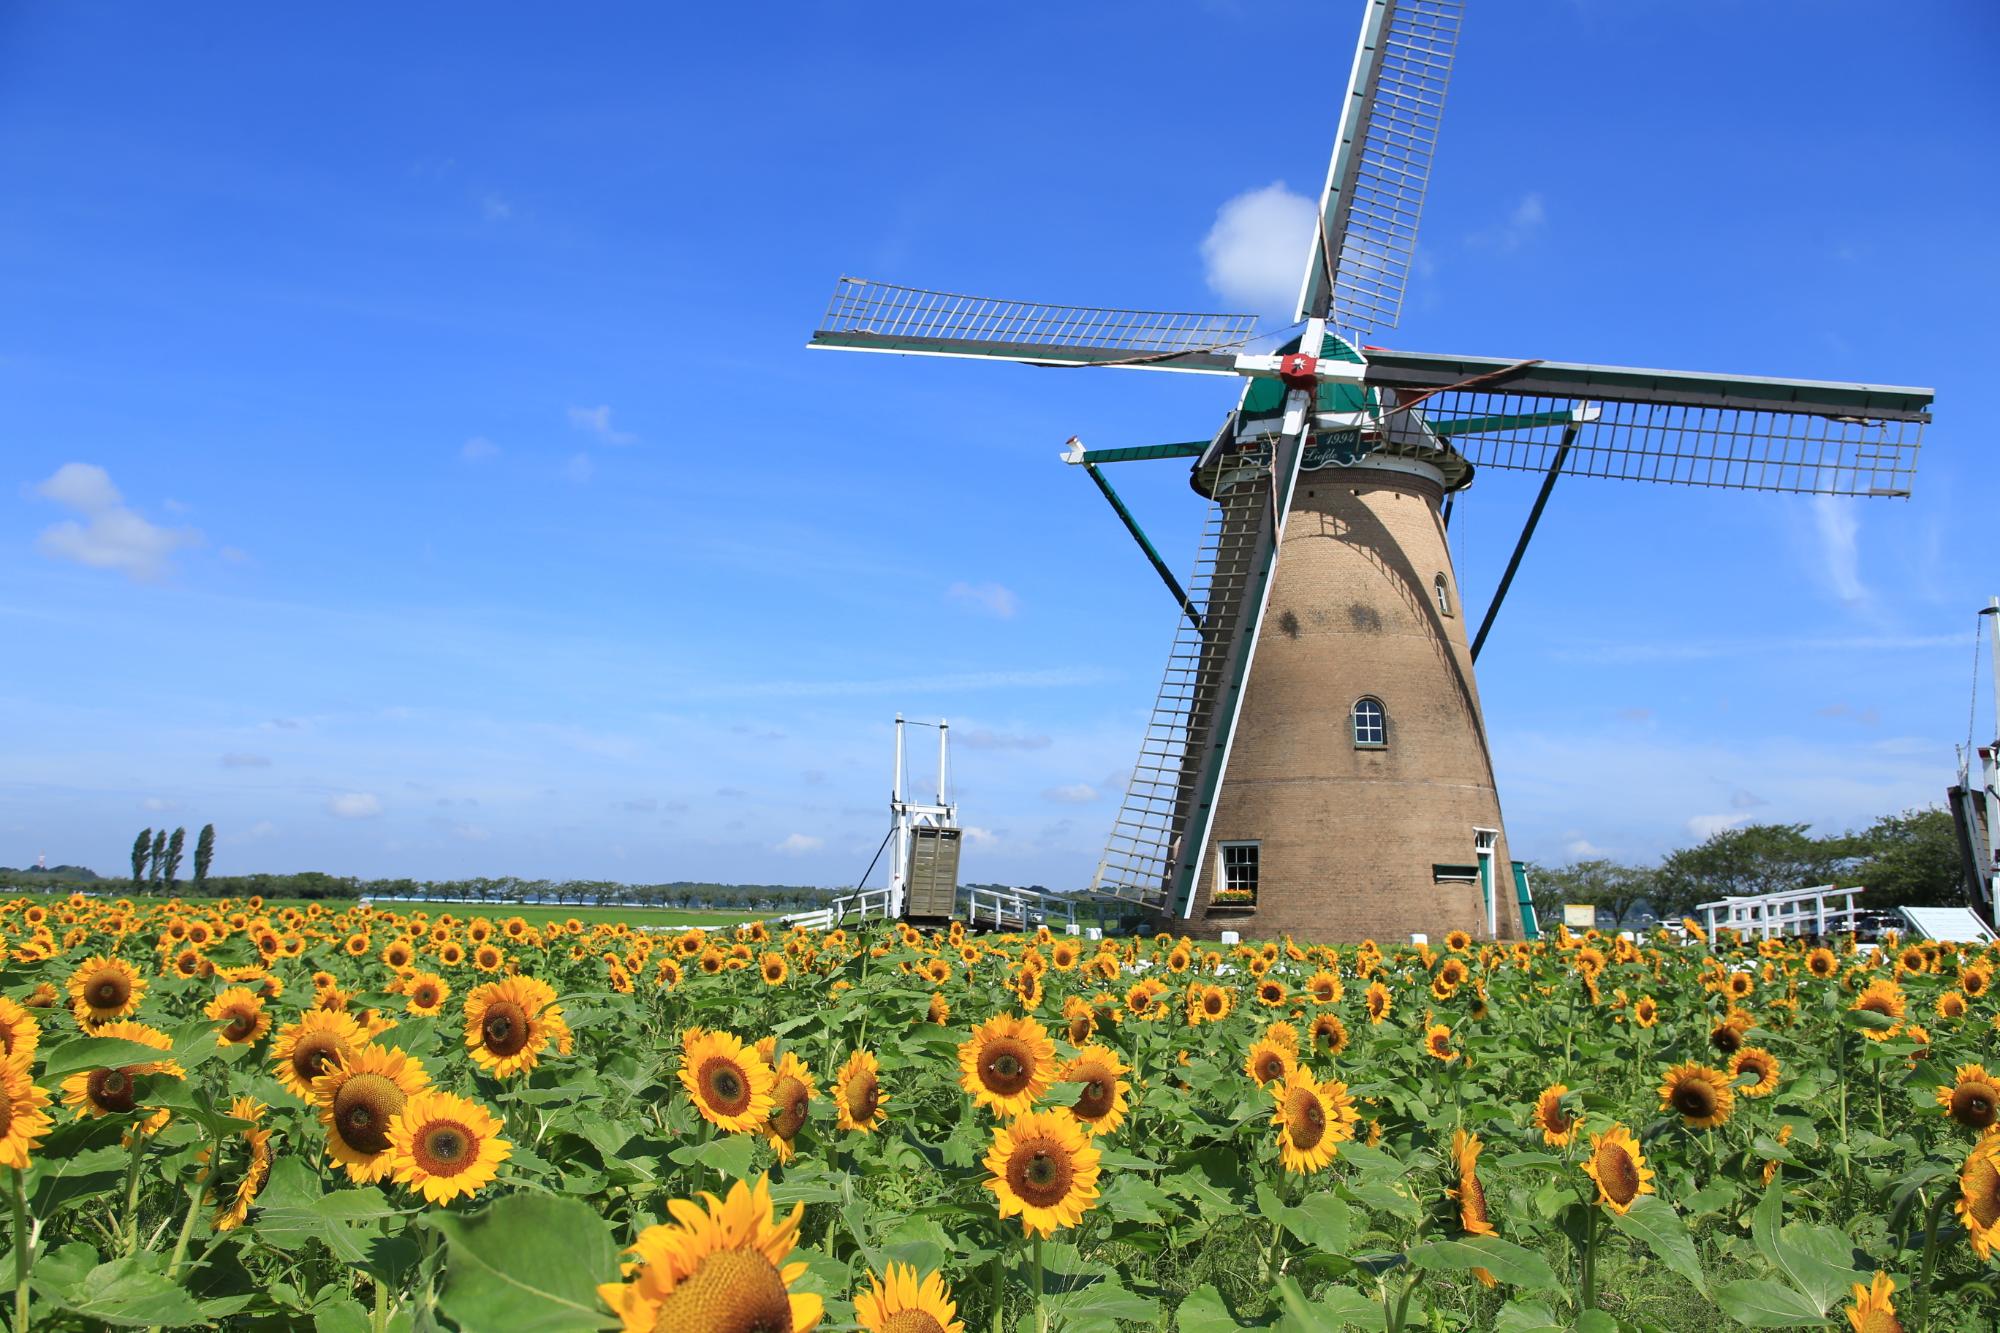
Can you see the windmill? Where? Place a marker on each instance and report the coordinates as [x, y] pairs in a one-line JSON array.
[[1316, 760]]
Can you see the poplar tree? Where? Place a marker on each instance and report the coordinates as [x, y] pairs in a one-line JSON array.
[[159, 860], [174, 846], [142, 847], [204, 853]]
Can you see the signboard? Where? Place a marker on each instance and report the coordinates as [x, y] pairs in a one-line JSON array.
[[1579, 916]]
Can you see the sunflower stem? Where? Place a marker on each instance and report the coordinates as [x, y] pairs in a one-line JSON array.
[[1041, 1303], [1590, 1261], [131, 1236], [994, 1282], [194, 1208], [21, 1246], [1931, 1216], [378, 1320]]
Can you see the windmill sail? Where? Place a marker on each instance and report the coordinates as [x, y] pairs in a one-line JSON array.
[[879, 317], [1360, 260]]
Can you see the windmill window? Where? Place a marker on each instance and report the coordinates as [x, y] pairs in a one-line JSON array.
[[1443, 595], [1238, 867], [1371, 724]]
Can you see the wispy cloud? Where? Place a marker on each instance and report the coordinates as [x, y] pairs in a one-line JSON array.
[[478, 449], [799, 844], [354, 805], [992, 598], [109, 535], [1522, 224], [597, 420], [1254, 255], [1838, 527], [984, 738], [1704, 827], [1075, 793]]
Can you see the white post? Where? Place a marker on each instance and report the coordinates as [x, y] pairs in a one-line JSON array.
[[944, 756], [899, 850]]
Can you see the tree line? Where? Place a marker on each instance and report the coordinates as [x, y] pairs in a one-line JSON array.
[[1903, 860]]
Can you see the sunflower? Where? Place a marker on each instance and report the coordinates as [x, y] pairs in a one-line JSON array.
[[240, 1010], [1951, 1004], [488, 957], [1882, 996], [1972, 1099], [1268, 1060], [1822, 963], [508, 1024], [1457, 941], [729, 1082], [1619, 1169], [425, 994], [774, 969], [1978, 1205], [1557, 1125], [1378, 1001], [899, 1302], [442, 1146], [1101, 1106], [304, 1050], [256, 1167], [1328, 1034], [1727, 1034], [1325, 987], [1027, 987], [358, 1097], [1209, 1004], [1701, 1095], [1271, 992], [398, 954], [1007, 1064], [858, 1094], [1313, 1119], [24, 1115], [1646, 1011], [791, 1097], [939, 1010], [103, 990], [1471, 1195], [20, 1034], [719, 1265], [1760, 1067], [1437, 1043], [1044, 1170], [1976, 980], [1872, 1311], [96, 1092]]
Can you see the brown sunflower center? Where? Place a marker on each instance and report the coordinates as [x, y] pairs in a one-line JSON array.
[[912, 1321], [109, 993], [1694, 1098], [504, 1029], [1726, 1039], [362, 1110], [1094, 1102], [1877, 1004], [1041, 1172], [1974, 1104], [1006, 1067], [734, 1291], [6, 1115], [1472, 1203], [1617, 1174], [862, 1094], [1305, 1119], [1079, 1030], [724, 1086], [426, 995], [112, 1090], [242, 1022], [790, 1100], [1981, 1187], [1879, 1321], [313, 1054], [444, 1148]]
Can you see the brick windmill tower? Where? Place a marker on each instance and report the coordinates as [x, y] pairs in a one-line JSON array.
[[1316, 761]]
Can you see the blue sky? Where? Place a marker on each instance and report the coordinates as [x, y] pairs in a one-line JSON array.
[[410, 460]]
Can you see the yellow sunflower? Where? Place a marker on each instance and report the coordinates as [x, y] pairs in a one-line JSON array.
[[1872, 1311], [358, 1097], [1328, 1034], [1822, 963], [1437, 1043], [1885, 997], [96, 1092], [1101, 1106], [1209, 1004], [719, 1265], [791, 1099], [508, 1024], [1325, 987], [1702, 1096], [1378, 1001], [24, 1115], [1471, 1195], [103, 990], [239, 1196], [939, 1009], [729, 1082], [1271, 992], [1978, 1204], [443, 1146], [1646, 1011], [304, 1050], [1951, 1004], [900, 1302], [1972, 1098], [858, 1095], [1044, 1170], [425, 993], [1007, 1064], [1760, 1067], [1313, 1119], [1619, 1169], [20, 1034], [240, 1010], [774, 969], [1268, 1061]]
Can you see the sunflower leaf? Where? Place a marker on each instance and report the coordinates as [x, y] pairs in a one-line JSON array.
[[1203, 1311], [1508, 1262], [528, 1263], [99, 1053], [1758, 1303], [1653, 1222]]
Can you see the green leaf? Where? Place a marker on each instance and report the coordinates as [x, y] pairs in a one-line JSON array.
[[99, 1053], [127, 1293], [1330, 1309], [527, 1263], [1103, 1303], [729, 1155], [1596, 1321], [1134, 1199], [53, 1183], [341, 1315], [1653, 1222], [1526, 1317], [1508, 1262], [1204, 1312], [1323, 1222], [1758, 1303]]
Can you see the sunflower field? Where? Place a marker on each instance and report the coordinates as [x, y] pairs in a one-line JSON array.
[[224, 1114]]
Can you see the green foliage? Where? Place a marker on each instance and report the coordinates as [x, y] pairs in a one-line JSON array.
[[530, 1263]]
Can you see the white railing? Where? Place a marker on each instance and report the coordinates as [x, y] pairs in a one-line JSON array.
[[1017, 909], [1821, 911]]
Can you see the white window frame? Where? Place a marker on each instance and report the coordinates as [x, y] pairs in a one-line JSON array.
[[1441, 591], [1222, 867], [1380, 740]]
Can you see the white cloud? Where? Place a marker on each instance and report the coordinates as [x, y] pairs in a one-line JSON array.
[[478, 449], [1704, 827], [981, 837], [1255, 253], [110, 535], [984, 738], [470, 833], [579, 469], [160, 804], [597, 420], [1523, 223], [354, 805], [1582, 849], [798, 844], [1839, 530], [1076, 793], [991, 598]]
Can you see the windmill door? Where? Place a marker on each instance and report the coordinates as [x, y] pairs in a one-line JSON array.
[[932, 873]]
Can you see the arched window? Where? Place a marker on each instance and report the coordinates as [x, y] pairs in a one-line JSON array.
[[1443, 593], [1371, 723]]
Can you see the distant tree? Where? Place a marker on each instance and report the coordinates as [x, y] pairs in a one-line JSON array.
[[204, 856], [174, 846], [1754, 859], [158, 864], [1909, 860], [1598, 882], [142, 848]]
